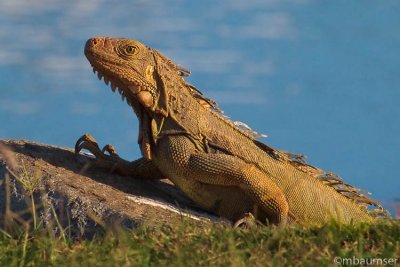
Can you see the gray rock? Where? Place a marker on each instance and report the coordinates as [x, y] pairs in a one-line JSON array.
[[87, 195]]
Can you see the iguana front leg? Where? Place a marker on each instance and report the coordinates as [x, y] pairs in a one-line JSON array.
[[222, 169], [140, 168], [182, 162]]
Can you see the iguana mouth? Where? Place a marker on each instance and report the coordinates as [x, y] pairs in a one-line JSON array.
[[128, 90]]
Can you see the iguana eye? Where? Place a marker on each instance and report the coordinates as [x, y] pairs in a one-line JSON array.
[[127, 50], [130, 49]]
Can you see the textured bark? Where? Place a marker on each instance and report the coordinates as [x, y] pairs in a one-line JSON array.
[[88, 194]]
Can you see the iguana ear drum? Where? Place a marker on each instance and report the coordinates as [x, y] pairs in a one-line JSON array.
[[150, 75], [145, 98]]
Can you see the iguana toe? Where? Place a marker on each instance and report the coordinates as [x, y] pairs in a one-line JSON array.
[[87, 142], [247, 221], [110, 149]]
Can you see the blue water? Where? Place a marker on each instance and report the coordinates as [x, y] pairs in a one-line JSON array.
[[321, 78]]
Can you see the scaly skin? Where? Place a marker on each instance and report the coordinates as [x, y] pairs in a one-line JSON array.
[[219, 165]]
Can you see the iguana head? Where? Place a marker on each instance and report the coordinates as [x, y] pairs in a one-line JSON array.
[[133, 68], [144, 76]]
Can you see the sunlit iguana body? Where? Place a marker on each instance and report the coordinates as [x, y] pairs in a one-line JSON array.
[[217, 163]]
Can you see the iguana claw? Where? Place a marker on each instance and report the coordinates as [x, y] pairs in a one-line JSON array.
[[88, 142], [107, 158], [110, 149], [247, 220]]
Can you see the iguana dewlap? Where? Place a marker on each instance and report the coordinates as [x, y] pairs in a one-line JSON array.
[[217, 163]]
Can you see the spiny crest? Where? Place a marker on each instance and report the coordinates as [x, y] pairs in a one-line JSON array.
[[212, 105], [207, 102], [333, 180]]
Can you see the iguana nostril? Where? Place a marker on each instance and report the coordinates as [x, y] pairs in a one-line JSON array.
[[91, 43]]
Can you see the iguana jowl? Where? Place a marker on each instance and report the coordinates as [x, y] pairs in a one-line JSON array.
[[222, 167]]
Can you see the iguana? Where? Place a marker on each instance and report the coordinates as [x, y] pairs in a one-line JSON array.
[[216, 162]]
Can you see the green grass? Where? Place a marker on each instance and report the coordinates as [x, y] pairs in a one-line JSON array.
[[188, 245], [33, 243]]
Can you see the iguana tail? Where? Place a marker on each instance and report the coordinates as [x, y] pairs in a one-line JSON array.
[[359, 196]]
